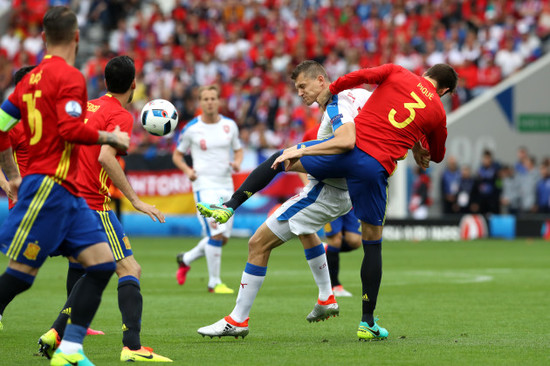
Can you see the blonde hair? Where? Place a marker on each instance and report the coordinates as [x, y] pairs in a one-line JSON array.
[[209, 87]]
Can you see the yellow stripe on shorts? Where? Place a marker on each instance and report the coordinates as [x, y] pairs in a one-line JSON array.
[[111, 235], [30, 216]]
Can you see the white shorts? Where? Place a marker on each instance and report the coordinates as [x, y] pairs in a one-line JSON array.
[[307, 212], [209, 226]]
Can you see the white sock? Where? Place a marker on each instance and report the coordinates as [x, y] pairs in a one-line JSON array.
[[248, 289], [195, 253], [69, 347], [213, 252], [317, 260]]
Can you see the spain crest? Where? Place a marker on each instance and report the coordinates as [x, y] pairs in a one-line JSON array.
[[32, 251]]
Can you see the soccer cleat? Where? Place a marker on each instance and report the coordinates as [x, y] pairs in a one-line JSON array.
[[220, 213], [91, 331], [144, 354], [324, 310], [74, 359], [181, 274], [225, 327], [374, 333], [221, 288], [48, 343], [340, 291]]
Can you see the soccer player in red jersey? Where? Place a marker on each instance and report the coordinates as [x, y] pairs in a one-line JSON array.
[[405, 112], [98, 167], [49, 217]]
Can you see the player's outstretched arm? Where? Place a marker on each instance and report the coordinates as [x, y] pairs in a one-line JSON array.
[[343, 141], [107, 159]]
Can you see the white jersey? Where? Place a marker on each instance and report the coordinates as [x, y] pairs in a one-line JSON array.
[[343, 108], [211, 146]]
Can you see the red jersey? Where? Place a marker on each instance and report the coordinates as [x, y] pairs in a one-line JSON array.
[[402, 110], [311, 134], [20, 148], [104, 113], [51, 99]]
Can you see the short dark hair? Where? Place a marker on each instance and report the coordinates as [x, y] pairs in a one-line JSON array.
[[120, 72], [19, 74], [310, 68], [60, 25], [445, 76], [209, 87]]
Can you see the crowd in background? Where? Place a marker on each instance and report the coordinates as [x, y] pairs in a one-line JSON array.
[[521, 188], [250, 47]]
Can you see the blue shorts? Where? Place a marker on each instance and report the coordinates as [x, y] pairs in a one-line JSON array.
[[366, 177], [117, 239], [47, 220], [349, 222]]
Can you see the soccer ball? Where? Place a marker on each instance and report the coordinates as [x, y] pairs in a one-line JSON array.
[[159, 117]]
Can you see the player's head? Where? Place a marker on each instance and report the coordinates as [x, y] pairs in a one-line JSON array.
[[60, 26], [445, 77], [209, 99], [120, 76], [19, 74], [310, 78]]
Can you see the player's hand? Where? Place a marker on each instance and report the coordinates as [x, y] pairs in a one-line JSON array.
[[13, 188], [5, 186], [236, 167], [122, 141], [192, 175], [291, 154], [421, 155], [324, 97], [153, 212]]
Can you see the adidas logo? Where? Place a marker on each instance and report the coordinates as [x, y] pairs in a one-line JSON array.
[[248, 194], [365, 297], [228, 327]]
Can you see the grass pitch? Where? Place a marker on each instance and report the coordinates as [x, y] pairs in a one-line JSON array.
[[457, 303]]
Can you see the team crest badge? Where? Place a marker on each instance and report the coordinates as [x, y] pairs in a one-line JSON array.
[[32, 251], [226, 128]]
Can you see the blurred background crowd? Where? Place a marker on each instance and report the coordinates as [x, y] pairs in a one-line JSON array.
[[250, 47]]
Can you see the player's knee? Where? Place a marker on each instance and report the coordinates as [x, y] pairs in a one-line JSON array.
[[128, 266]]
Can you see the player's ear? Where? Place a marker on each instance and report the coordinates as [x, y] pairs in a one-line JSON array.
[[77, 35], [133, 86], [43, 34]]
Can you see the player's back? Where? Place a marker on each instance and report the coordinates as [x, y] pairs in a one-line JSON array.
[[51, 89], [104, 113], [403, 108]]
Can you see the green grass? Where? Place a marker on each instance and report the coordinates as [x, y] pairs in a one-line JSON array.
[[475, 303]]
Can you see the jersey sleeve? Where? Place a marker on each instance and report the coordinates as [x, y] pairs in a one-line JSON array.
[[340, 111], [373, 75], [5, 142], [435, 140], [70, 108], [184, 142], [123, 119]]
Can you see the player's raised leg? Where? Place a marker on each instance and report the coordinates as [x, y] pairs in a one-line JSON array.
[[258, 179]]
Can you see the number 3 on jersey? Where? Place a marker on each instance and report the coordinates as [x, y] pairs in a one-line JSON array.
[[412, 112], [34, 116]]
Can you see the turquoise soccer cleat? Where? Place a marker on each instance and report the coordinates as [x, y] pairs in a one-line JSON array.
[[74, 359], [374, 333]]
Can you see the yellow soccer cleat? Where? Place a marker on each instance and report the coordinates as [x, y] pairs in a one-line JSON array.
[[74, 359], [144, 354], [48, 343], [221, 288]]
